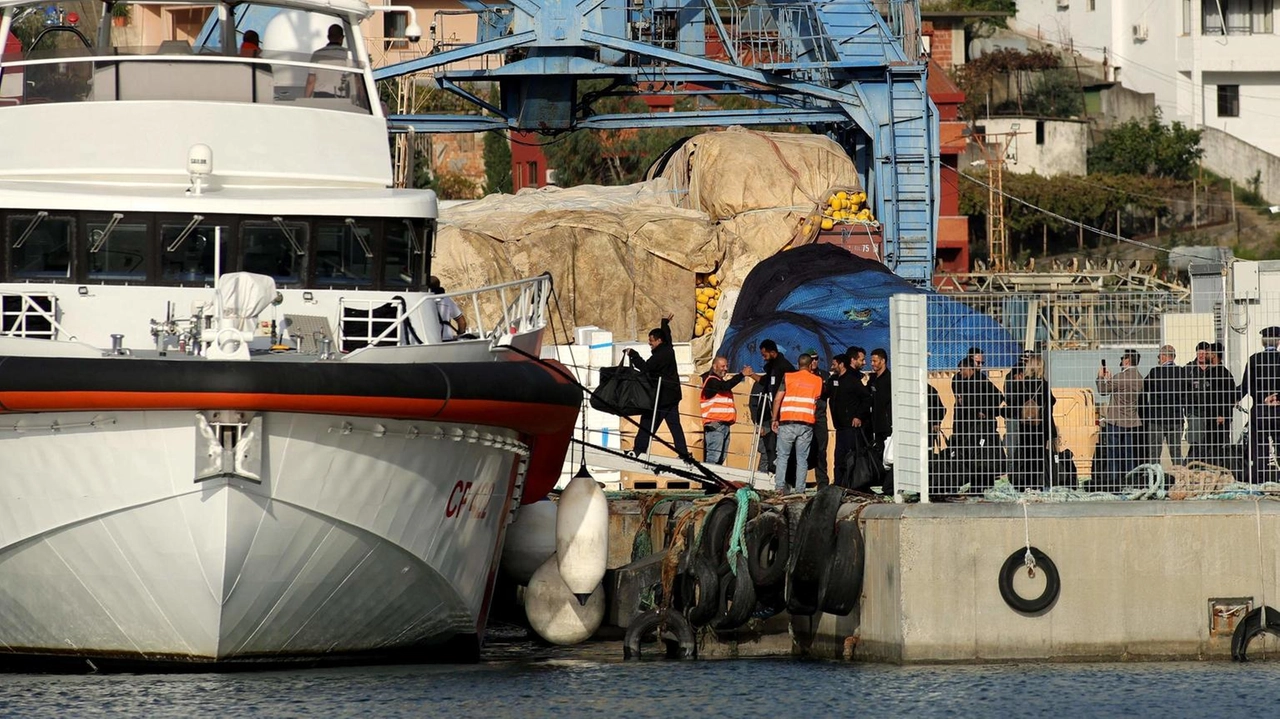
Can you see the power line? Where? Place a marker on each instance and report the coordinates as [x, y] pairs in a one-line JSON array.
[[1100, 232]]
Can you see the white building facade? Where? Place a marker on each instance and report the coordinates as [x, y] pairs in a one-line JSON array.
[[1209, 63]]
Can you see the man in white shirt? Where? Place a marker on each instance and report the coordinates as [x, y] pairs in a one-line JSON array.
[[323, 83], [452, 321]]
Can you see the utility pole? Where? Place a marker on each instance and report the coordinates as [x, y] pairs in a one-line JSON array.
[[997, 232]]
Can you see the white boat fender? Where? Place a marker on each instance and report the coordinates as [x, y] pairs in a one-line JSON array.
[[555, 613], [582, 536], [531, 540]]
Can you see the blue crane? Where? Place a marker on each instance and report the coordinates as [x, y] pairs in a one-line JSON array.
[[850, 69]]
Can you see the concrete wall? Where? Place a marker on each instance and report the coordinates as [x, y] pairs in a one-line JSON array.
[[1063, 152], [1232, 157], [1137, 578]]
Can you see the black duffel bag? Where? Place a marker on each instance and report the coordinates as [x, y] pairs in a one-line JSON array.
[[624, 391]]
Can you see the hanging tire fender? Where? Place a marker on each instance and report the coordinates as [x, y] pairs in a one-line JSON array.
[[1252, 626], [670, 628], [737, 597], [768, 542], [700, 590], [841, 585], [1052, 582], [815, 535]]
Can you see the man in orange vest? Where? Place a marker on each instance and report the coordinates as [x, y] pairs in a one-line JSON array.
[[718, 412], [794, 412]]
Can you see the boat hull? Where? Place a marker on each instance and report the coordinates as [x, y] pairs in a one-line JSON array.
[[357, 539]]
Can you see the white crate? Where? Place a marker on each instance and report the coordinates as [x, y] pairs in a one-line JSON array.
[[684, 359], [600, 344], [620, 350], [602, 420], [574, 357], [582, 335]]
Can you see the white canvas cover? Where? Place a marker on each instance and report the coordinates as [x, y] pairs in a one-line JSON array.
[[244, 296]]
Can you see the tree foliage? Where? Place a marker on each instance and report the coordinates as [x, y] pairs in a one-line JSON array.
[[1094, 201], [609, 157], [1148, 148], [497, 156]]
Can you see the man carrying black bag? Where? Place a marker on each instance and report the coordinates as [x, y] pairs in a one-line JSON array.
[[661, 367]]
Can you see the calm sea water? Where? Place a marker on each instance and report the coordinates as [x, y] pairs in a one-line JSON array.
[[594, 682]]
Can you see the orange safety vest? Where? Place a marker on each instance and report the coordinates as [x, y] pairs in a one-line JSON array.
[[800, 402], [719, 407]]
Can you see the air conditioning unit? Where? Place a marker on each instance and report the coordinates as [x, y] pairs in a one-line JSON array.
[[1139, 33]]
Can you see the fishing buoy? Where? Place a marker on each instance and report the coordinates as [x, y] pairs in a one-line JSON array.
[[531, 540], [582, 536], [555, 613]]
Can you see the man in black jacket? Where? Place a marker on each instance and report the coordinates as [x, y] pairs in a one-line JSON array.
[[1163, 406], [881, 387], [776, 367], [818, 447], [661, 366]]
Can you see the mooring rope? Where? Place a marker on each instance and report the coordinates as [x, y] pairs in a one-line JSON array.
[[744, 497]]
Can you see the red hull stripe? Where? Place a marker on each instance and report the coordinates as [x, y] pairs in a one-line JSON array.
[[528, 417]]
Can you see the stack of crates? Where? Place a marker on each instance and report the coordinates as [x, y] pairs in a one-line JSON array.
[[593, 348]]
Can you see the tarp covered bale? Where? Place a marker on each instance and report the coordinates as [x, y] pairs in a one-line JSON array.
[[621, 257], [737, 170]]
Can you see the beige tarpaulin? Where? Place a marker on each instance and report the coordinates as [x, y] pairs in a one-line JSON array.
[[622, 257]]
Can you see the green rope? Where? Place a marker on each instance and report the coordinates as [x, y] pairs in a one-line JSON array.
[[744, 496]]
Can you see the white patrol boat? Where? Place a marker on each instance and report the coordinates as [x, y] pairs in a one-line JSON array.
[[230, 430]]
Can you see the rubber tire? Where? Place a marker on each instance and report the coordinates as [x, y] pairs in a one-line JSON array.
[[1250, 627], [700, 591], [815, 535], [802, 597], [841, 587], [768, 541], [671, 628], [716, 531], [770, 602], [737, 598], [1053, 584]]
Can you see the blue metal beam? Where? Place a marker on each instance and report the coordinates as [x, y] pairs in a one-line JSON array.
[[444, 58], [713, 118]]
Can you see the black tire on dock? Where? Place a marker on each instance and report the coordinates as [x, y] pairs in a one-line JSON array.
[[716, 530], [1052, 583], [700, 590], [664, 625], [737, 597], [802, 596], [768, 542], [816, 535], [841, 586], [1250, 627]]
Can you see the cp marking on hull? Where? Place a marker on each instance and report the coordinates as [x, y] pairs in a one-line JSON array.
[[469, 498]]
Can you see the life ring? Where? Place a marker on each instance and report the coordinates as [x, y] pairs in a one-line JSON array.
[[664, 625], [737, 597], [235, 337], [1052, 583], [1250, 627], [700, 590], [841, 585], [768, 541]]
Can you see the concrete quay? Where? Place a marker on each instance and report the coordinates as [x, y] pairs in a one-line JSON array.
[[1140, 580]]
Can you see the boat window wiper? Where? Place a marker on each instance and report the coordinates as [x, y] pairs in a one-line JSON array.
[[30, 228], [102, 235], [195, 220], [288, 235], [414, 245], [359, 235]]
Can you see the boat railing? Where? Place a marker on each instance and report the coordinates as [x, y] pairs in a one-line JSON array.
[[520, 306], [30, 315], [282, 79]]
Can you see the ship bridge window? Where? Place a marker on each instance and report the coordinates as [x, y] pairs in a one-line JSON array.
[[343, 254], [118, 249], [276, 248], [187, 251], [403, 254], [39, 246]]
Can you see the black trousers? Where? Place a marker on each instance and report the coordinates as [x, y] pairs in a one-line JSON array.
[[671, 417]]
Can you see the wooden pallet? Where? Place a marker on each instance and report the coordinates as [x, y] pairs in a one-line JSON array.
[[645, 482]]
